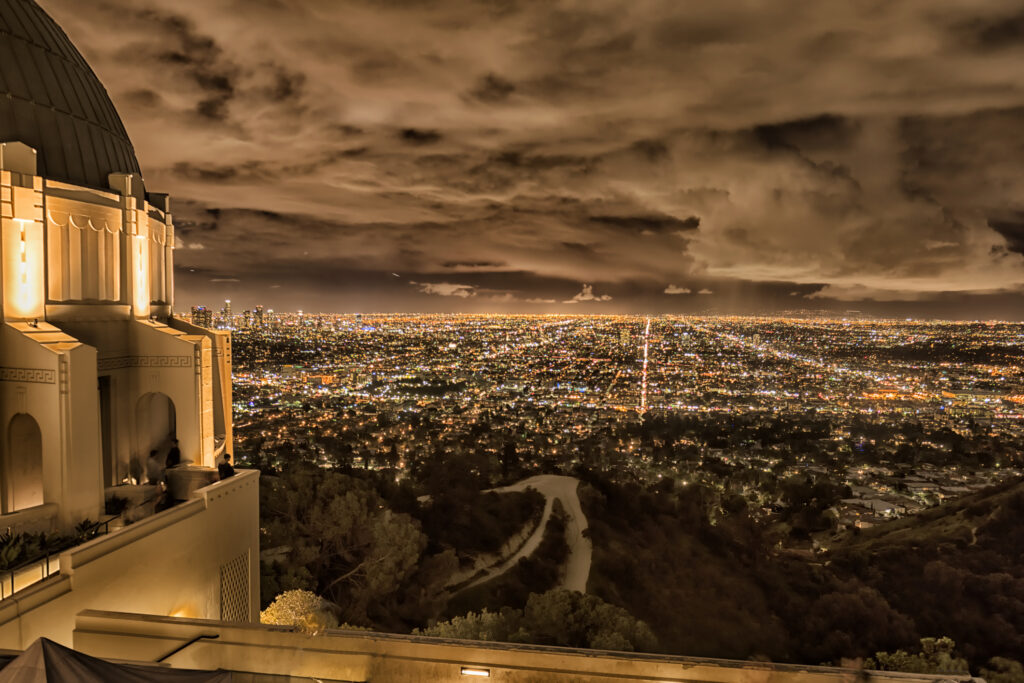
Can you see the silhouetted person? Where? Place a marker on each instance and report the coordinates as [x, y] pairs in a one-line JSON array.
[[173, 456], [225, 469], [154, 469]]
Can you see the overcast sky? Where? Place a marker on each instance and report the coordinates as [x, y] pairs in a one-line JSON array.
[[584, 156]]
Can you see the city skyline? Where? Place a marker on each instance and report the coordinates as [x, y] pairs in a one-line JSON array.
[[215, 311], [534, 158]]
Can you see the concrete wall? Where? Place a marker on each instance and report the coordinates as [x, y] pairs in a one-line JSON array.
[[178, 365], [82, 479], [362, 656], [220, 379], [170, 563], [142, 357], [29, 385], [52, 377]]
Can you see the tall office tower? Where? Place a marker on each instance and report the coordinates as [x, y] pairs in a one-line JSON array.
[[97, 379], [202, 316], [247, 318], [258, 315], [226, 312]]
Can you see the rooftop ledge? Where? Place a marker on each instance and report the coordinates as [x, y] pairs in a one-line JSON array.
[[365, 655]]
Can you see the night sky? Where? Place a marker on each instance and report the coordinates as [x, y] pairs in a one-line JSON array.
[[598, 156]]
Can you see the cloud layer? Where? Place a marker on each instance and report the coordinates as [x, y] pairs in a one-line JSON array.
[[499, 154]]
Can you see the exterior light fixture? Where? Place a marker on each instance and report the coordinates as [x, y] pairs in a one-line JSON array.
[[472, 671]]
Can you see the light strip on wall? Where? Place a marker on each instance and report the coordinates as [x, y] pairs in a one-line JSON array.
[[469, 671], [23, 265]]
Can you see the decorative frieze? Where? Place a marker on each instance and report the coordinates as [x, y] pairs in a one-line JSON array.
[[144, 362], [33, 375]]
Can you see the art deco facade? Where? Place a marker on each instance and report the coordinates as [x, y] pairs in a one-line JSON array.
[[95, 371]]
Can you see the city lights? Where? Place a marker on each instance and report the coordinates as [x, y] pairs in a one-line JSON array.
[[831, 398]]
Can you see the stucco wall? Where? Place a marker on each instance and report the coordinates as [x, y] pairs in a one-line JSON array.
[[50, 376], [169, 563]]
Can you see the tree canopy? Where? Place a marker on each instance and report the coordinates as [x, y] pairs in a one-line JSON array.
[[557, 617]]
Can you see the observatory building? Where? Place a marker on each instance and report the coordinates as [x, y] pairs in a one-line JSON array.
[[98, 379]]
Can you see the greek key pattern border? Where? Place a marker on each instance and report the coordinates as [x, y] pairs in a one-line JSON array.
[[33, 375], [144, 362]]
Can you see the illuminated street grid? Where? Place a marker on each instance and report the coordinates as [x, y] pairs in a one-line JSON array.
[[905, 412]]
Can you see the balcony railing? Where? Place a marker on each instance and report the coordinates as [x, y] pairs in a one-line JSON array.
[[33, 571], [194, 485]]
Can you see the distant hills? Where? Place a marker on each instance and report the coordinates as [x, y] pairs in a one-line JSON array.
[[724, 589], [956, 570]]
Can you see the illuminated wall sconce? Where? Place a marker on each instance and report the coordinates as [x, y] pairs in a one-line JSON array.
[[474, 671]]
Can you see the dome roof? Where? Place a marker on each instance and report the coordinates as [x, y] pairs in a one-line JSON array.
[[51, 100]]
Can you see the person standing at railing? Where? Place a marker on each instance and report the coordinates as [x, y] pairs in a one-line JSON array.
[[173, 455], [224, 469]]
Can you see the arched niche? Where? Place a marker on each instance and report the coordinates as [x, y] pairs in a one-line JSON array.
[[23, 464]]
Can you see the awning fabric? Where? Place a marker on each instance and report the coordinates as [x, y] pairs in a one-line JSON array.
[[48, 662]]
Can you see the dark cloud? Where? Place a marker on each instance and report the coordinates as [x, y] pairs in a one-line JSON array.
[[473, 264], [860, 154], [825, 131], [492, 88], [994, 33], [260, 171], [175, 43], [206, 173], [579, 247], [345, 130], [650, 223], [416, 136], [1012, 230], [285, 84], [652, 150], [143, 98], [539, 162]]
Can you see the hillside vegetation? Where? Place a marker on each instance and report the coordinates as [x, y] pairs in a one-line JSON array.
[[956, 570], [724, 588], [695, 566]]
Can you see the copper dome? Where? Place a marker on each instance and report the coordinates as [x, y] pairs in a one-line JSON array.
[[51, 100]]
